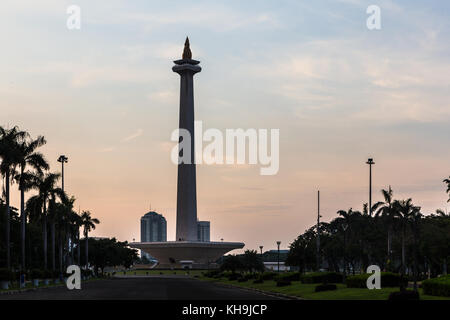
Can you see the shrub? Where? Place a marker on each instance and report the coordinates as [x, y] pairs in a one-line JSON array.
[[36, 274], [291, 276], [86, 273], [388, 279], [242, 279], [224, 274], [325, 287], [250, 276], [259, 280], [234, 276], [283, 283], [6, 275], [268, 275], [404, 295], [322, 277], [437, 286]]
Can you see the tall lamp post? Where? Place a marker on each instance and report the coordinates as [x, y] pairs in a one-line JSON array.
[[278, 245], [262, 260], [318, 232], [63, 159], [370, 163]]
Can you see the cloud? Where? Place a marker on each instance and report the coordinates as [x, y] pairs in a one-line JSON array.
[[134, 135], [107, 149]]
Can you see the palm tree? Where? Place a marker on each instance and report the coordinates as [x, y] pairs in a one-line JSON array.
[[9, 153], [77, 224], [406, 211], [416, 217], [386, 211], [447, 181], [74, 235], [88, 224], [28, 157], [48, 193], [347, 219], [63, 215]]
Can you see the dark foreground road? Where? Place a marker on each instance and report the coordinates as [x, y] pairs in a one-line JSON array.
[[143, 288]]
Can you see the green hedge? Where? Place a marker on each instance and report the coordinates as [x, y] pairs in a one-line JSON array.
[[437, 286], [388, 279], [291, 276], [35, 274], [268, 275], [321, 277]]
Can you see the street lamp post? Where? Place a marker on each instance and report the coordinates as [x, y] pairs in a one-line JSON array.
[[278, 245], [262, 260], [63, 159], [318, 232], [370, 163]]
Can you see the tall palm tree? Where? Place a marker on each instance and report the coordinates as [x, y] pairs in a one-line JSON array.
[[406, 211], [88, 224], [26, 179], [9, 153], [386, 211], [347, 219], [447, 181], [53, 217], [48, 193], [63, 213], [75, 224], [416, 217]]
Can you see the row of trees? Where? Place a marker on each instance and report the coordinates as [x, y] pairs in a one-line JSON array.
[[398, 237], [47, 217], [249, 261]]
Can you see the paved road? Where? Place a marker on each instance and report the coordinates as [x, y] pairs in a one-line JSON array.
[[143, 288]]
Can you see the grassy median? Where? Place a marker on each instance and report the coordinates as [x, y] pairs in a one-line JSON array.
[[306, 291]]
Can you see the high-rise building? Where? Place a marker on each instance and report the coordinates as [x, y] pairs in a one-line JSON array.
[[153, 229], [203, 229]]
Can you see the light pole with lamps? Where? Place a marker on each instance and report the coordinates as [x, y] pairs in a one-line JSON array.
[[262, 260], [370, 163], [278, 245], [63, 159]]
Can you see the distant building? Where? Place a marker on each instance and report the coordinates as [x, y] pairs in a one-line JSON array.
[[153, 229], [203, 231]]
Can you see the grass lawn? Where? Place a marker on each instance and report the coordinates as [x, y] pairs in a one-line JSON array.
[[306, 291]]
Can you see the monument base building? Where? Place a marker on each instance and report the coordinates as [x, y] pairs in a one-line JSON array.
[[179, 254]]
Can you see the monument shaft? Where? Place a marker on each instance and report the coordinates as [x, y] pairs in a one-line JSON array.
[[186, 185]]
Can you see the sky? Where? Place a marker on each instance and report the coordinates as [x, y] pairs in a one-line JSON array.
[[106, 97]]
